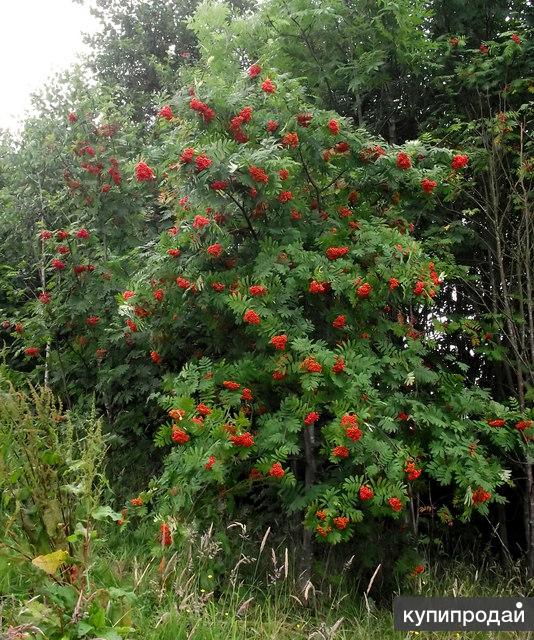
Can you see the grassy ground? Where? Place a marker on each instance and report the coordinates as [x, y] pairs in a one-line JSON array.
[[192, 595], [266, 608]]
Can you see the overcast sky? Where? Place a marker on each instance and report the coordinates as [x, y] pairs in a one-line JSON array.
[[37, 38]]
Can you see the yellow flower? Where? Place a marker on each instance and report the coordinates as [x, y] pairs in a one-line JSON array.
[[210, 576]]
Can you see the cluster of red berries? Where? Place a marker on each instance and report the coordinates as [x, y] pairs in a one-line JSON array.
[[333, 253], [202, 108], [412, 471], [245, 440]]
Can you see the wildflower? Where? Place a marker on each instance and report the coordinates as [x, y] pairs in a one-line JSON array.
[[176, 414], [403, 417], [44, 297], [277, 471], [393, 284], [209, 464], [63, 250], [454, 41], [516, 38], [218, 286], [159, 294], [284, 174], [45, 235], [285, 196], [174, 253], [82, 234], [278, 375], [72, 117], [366, 493], [32, 352], [143, 172], [127, 295], [136, 502], [155, 357], [484, 49], [92, 321], [131, 325], [231, 385], [279, 342], [496, 422], [418, 569], [251, 317], [523, 425], [272, 125], [321, 515]]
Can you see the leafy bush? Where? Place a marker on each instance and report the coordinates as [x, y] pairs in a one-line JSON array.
[[293, 270]]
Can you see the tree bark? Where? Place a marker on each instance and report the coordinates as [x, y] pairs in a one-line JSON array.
[[306, 558]]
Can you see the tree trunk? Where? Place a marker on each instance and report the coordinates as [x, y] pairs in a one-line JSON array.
[[306, 558]]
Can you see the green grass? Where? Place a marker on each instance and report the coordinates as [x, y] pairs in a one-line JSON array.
[[197, 595]]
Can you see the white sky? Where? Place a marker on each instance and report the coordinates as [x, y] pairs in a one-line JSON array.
[[37, 38]]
